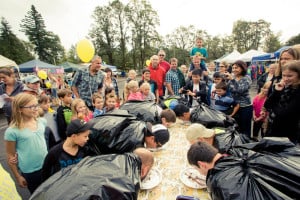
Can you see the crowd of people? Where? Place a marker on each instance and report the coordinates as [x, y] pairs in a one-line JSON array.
[[41, 141]]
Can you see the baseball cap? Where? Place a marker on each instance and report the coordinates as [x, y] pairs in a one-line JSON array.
[[32, 79], [78, 126], [195, 131], [161, 134]]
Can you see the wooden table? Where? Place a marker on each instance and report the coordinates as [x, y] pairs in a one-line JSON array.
[[170, 161]]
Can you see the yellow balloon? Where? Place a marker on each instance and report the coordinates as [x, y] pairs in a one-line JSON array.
[[148, 63], [48, 84], [85, 50], [42, 74]]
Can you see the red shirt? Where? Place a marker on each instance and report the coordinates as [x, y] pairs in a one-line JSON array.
[[158, 75], [164, 64]]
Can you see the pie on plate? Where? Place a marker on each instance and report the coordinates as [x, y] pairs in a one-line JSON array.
[[192, 178], [152, 179]]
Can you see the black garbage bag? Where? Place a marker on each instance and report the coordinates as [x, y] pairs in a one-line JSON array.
[[172, 101], [116, 132], [143, 110], [115, 177], [256, 172], [229, 138], [209, 117]]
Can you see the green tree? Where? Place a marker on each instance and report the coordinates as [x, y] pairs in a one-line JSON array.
[[46, 44], [272, 43], [143, 21], [293, 40], [103, 32], [11, 46], [250, 35]]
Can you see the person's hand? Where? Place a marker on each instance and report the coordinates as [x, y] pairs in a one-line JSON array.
[[13, 159], [280, 86], [263, 113], [228, 76], [21, 181]]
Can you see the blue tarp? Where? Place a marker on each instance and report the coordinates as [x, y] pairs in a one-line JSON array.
[[31, 66], [269, 56]]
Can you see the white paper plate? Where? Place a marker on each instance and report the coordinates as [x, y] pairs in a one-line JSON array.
[[192, 178], [156, 149], [152, 179]]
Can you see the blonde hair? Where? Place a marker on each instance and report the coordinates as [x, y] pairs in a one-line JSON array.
[[132, 84], [293, 66], [145, 85], [74, 104], [20, 101]]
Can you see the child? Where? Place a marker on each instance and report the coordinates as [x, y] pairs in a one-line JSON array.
[[258, 103], [70, 151], [195, 89], [134, 93], [25, 138], [80, 110], [217, 78], [199, 50], [153, 85], [98, 103], [110, 103], [183, 114], [64, 112], [51, 134], [110, 90], [131, 76], [147, 94], [168, 117], [224, 102]]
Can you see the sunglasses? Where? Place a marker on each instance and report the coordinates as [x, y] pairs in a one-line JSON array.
[[221, 66], [161, 55]]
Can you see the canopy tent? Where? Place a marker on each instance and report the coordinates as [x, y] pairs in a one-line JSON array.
[[71, 67], [6, 62], [248, 55], [232, 57], [269, 56], [35, 65], [219, 59]]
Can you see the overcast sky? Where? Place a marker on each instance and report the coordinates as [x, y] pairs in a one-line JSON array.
[[71, 19]]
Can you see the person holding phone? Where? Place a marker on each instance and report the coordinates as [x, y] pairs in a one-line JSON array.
[[283, 104]]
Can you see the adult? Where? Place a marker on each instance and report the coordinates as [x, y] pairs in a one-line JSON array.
[[110, 81], [239, 86], [88, 81], [172, 79], [9, 87], [162, 62], [33, 86], [266, 77], [286, 56], [158, 74], [283, 104], [211, 69]]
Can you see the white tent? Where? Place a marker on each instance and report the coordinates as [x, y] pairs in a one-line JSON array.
[[247, 56], [5, 62], [232, 57]]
